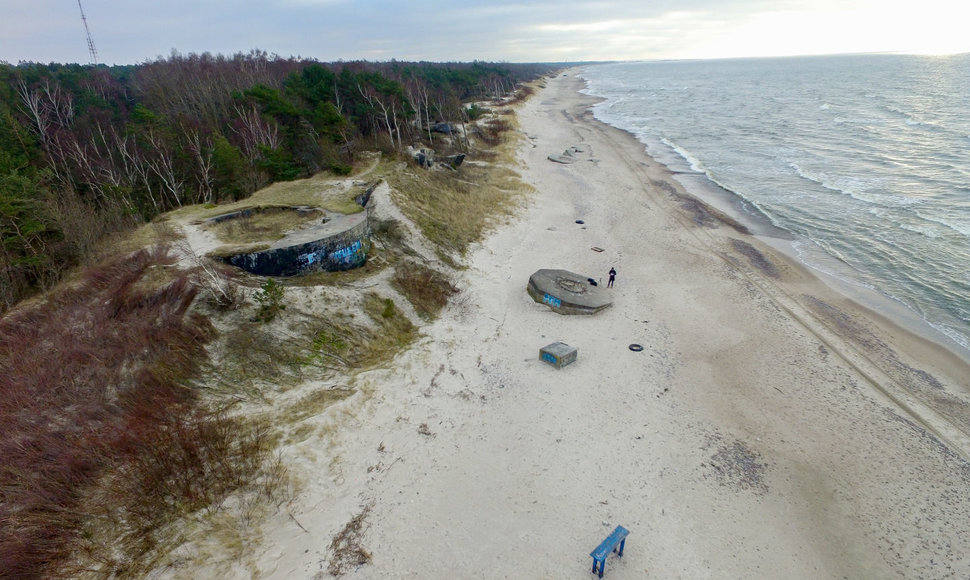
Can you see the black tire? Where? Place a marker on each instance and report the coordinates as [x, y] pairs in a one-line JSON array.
[[636, 347]]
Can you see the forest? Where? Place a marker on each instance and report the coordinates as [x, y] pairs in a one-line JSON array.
[[88, 151]]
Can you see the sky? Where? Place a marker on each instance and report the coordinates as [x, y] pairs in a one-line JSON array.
[[136, 31]]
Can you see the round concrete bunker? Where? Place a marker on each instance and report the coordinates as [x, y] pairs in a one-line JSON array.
[[335, 242], [567, 292]]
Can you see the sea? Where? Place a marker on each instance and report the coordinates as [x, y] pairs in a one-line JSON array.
[[857, 165]]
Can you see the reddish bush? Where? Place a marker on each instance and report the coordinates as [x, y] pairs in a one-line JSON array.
[[92, 379]]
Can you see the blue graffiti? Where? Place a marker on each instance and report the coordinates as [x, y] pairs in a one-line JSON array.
[[552, 300], [346, 255], [549, 358], [308, 259]]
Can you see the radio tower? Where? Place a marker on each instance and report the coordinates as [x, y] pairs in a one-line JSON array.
[[92, 52]]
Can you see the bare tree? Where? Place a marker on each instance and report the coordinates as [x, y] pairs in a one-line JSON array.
[[373, 98], [161, 161], [201, 149], [256, 132], [134, 166], [417, 95], [59, 102], [39, 116], [51, 112]]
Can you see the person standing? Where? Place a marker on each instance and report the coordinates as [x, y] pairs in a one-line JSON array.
[[612, 277]]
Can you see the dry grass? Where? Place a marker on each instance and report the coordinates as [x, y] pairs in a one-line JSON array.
[[322, 190], [256, 362], [106, 442], [263, 224], [428, 290], [342, 342], [314, 403], [145, 236], [230, 250], [393, 334], [456, 209], [348, 553]]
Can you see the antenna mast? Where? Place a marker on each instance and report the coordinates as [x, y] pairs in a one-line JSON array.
[[92, 52]]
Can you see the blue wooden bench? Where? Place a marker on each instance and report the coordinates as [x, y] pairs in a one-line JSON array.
[[609, 545]]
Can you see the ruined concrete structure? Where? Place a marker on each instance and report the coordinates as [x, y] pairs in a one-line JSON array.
[[558, 354], [339, 244], [568, 293], [334, 243]]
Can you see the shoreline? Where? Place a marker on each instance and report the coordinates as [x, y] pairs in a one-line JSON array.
[[699, 185], [885, 341], [746, 440], [896, 323]]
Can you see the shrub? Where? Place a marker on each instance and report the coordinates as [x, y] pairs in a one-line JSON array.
[[105, 443], [428, 290], [388, 308], [492, 132], [522, 94], [476, 111], [270, 299]]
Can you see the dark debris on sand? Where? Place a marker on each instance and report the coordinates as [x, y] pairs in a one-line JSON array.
[[736, 466]]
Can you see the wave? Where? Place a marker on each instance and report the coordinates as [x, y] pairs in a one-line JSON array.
[[857, 121], [950, 332], [829, 262], [748, 204], [857, 188], [962, 228], [921, 229], [865, 170], [694, 163], [942, 124]]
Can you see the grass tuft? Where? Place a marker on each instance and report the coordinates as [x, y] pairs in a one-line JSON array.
[[428, 290], [348, 553]]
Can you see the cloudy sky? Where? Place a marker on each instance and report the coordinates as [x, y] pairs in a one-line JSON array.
[[134, 31]]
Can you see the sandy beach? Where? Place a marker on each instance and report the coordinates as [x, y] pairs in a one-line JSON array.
[[769, 428]]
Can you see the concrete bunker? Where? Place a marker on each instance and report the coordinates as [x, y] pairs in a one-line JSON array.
[[568, 293], [313, 240], [558, 354]]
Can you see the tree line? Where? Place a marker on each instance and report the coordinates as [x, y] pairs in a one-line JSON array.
[[87, 151]]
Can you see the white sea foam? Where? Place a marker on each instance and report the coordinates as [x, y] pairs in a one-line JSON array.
[[922, 229], [693, 162], [953, 223], [860, 188]]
